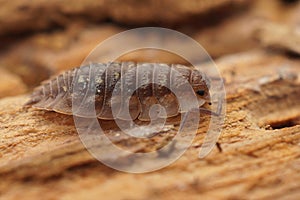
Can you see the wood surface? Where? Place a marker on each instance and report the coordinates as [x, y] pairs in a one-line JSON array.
[[41, 154]]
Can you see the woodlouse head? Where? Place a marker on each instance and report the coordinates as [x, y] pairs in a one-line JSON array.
[[201, 85]]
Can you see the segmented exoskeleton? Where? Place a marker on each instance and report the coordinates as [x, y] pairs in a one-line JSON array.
[[109, 82]]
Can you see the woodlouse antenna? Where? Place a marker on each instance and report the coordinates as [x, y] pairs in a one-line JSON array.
[[202, 110]]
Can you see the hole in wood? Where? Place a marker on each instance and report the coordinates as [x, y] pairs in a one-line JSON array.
[[285, 124], [289, 1]]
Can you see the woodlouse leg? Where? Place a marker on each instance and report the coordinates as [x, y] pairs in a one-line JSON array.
[[202, 110], [209, 112], [183, 121]]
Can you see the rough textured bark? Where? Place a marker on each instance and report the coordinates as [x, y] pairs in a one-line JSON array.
[[10, 84], [42, 156], [279, 36]]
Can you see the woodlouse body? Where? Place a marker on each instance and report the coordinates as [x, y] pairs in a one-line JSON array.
[[101, 81]]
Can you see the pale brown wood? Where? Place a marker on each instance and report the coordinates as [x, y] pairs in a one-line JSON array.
[[279, 36]]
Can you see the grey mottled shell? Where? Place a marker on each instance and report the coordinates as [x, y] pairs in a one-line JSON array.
[[101, 80]]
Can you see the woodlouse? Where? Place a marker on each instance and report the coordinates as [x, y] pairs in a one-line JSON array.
[[56, 94]]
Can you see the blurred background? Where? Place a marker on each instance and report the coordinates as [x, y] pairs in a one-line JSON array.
[[40, 38], [256, 45]]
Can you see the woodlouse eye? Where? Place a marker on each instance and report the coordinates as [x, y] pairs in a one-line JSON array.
[[201, 92]]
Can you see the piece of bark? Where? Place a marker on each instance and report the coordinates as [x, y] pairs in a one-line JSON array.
[[41, 154], [236, 33], [281, 11], [279, 36], [17, 16], [230, 36], [10, 84]]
